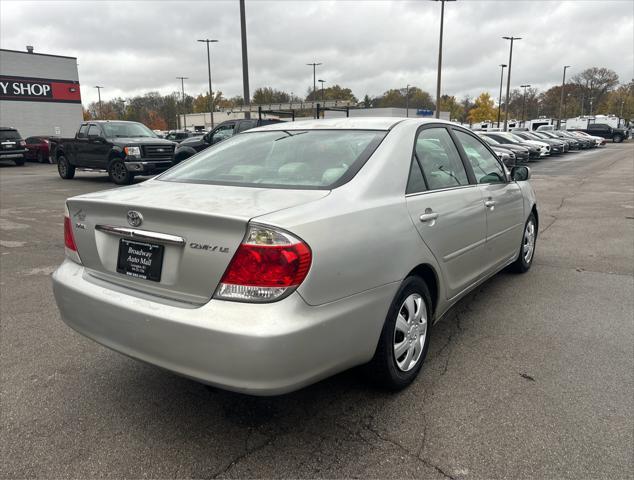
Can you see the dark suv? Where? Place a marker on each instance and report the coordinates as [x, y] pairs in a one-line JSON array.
[[191, 146], [12, 146]]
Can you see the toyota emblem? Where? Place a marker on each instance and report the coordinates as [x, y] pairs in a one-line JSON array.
[[135, 219]]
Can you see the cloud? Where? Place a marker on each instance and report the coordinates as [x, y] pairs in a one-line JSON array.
[[368, 46]]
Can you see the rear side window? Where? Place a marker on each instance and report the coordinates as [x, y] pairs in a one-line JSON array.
[[416, 181], [303, 159], [94, 131], [9, 135], [440, 160], [485, 165], [83, 131]]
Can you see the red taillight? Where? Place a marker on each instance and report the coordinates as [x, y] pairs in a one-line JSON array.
[[268, 265], [69, 239]]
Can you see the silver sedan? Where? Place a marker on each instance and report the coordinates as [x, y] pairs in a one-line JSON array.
[[296, 250]]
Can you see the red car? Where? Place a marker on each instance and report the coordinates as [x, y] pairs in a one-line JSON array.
[[39, 148]]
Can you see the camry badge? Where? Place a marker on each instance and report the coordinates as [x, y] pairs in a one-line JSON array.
[[135, 219]]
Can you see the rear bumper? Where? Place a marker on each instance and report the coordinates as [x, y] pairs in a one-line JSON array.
[[264, 349], [148, 167]]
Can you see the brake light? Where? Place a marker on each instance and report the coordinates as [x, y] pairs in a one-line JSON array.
[[69, 239], [268, 265], [22, 143]]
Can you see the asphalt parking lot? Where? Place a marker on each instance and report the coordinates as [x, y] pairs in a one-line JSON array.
[[531, 376]]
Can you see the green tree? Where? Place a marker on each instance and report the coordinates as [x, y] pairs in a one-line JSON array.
[[451, 105], [266, 95], [334, 92], [483, 109]]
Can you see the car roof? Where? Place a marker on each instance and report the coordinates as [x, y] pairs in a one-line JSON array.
[[354, 123]]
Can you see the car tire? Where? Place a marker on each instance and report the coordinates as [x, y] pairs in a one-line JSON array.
[[527, 247], [404, 339], [40, 157], [118, 172], [64, 168], [19, 161], [617, 138]]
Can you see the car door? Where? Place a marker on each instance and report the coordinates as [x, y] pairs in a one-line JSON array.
[[503, 200], [447, 208], [97, 149], [81, 146]]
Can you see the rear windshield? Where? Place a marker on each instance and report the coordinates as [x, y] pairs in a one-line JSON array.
[[303, 159], [9, 135]]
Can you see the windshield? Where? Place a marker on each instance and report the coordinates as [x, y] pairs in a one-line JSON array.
[[489, 140], [304, 159], [9, 135], [516, 138], [124, 129]]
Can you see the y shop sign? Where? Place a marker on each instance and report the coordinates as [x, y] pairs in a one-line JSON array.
[[39, 90]]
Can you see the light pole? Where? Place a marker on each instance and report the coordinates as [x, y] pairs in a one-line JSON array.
[[524, 104], [561, 101], [322, 90], [99, 94], [211, 95], [508, 82], [591, 101], [407, 100], [622, 103], [182, 79], [122, 103], [442, 22], [245, 62], [503, 65], [314, 65]]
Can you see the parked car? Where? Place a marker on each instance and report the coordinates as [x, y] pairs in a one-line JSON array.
[[557, 147], [295, 251], [38, 149], [585, 142], [507, 157], [617, 135], [599, 141], [221, 132], [572, 143], [180, 135], [504, 138], [12, 146], [123, 149], [522, 154]]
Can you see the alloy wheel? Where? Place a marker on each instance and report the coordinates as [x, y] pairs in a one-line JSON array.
[[410, 332], [528, 245]]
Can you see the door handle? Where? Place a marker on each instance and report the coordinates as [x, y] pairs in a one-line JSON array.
[[428, 217], [490, 203]]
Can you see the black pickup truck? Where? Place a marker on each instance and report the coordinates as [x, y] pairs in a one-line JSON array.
[[617, 135], [224, 130], [123, 149]]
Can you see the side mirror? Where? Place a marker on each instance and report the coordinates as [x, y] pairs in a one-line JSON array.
[[520, 174]]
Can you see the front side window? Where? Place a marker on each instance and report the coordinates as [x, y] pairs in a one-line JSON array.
[[312, 159], [222, 133], [486, 167], [94, 131], [439, 159]]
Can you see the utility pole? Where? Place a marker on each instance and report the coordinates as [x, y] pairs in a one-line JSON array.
[[314, 65], [591, 101], [182, 79], [322, 90], [508, 82], [245, 63], [500, 100], [407, 101], [524, 104], [561, 101], [442, 23], [99, 94], [622, 103], [211, 95]]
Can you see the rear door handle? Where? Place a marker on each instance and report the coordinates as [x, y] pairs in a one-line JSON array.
[[489, 203], [428, 217]]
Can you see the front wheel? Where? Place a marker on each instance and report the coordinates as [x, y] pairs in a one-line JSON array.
[[527, 248], [404, 339], [64, 168], [617, 138], [118, 172]]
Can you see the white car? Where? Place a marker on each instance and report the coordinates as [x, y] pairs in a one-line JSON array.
[[544, 148], [598, 140]]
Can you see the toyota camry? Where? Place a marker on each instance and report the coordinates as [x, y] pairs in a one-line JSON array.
[[296, 250]]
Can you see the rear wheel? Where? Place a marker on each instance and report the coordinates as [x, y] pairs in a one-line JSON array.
[[617, 138], [404, 339], [64, 168], [118, 172], [527, 248]]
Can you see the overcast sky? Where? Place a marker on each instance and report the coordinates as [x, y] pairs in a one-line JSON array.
[[368, 46]]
